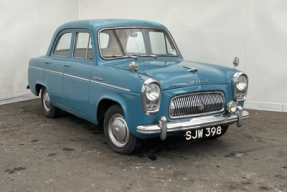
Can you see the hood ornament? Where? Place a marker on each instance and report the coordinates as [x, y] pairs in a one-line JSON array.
[[190, 69]]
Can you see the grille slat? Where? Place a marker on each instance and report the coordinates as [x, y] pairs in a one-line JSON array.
[[189, 105]]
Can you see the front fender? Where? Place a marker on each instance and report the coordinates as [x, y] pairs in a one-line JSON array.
[[125, 99]]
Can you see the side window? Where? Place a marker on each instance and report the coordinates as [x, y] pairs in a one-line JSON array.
[[135, 43], [104, 40], [62, 47], [83, 46]]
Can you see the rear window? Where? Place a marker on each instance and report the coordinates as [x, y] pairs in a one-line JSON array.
[[83, 46]]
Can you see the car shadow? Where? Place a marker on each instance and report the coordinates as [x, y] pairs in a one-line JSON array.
[[151, 148]]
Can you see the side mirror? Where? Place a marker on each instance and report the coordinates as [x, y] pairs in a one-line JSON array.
[[236, 62], [133, 67]]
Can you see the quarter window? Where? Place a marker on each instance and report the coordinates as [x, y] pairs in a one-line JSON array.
[[63, 45], [83, 46]]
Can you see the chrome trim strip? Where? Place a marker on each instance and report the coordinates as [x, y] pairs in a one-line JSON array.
[[53, 71], [137, 27], [116, 87], [84, 79], [36, 67], [193, 105], [195, 123]]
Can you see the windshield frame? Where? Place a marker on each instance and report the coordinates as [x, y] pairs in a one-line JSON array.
[[135, 27]]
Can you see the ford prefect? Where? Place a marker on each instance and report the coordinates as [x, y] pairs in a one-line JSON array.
[[129, 77]]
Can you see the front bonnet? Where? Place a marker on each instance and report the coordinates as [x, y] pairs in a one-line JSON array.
[[175, 74]]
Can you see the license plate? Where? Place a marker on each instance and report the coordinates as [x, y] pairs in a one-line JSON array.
[[202, 133]]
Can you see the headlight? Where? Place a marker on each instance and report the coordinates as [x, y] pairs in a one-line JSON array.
[[151, 96], [241, 83], [240, 80], [152, 92]]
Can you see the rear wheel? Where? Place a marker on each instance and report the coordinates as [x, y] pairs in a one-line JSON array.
[[117, 133], [48, 108]]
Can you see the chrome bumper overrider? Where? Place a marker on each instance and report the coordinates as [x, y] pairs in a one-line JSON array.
[[200, 122]]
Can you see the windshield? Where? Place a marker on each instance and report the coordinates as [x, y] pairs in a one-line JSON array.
[[135, 42]]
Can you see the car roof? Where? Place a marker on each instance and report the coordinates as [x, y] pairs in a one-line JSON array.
[[98, 24]]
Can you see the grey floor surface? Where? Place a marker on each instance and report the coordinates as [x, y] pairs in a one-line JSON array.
[[71, 154]]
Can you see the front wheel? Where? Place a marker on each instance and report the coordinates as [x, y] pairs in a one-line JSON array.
[[117, 133], [49, 109]]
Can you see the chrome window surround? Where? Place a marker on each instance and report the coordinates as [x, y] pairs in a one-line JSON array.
[[136, 27], [145, 101], [236, 91], [196, 115], [56, 45], [75, 43]]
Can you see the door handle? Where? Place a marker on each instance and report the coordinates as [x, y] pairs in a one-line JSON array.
[[98, 79], [66, 65], [46, 62]]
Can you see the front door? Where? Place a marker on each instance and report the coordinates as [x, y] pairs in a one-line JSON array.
[[76, 79]]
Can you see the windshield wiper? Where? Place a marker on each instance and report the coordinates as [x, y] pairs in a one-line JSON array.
[[145, 56], [123, 56], [129, 56]]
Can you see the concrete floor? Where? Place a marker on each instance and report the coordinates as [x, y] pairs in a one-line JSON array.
[[70, 154]]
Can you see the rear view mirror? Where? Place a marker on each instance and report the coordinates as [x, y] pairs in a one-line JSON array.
[[134, 35]]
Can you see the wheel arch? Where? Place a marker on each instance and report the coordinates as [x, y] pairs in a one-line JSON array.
[[104, 104], [38, 87]]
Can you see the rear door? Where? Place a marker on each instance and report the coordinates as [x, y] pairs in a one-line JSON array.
[[55, 65], [76, 79]]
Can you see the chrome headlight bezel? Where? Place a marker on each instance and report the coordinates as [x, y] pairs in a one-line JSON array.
[[150, 107], [152, 87], [239, 94], [241, 80]]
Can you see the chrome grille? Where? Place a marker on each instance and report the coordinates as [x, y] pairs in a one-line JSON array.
[[196, 104]]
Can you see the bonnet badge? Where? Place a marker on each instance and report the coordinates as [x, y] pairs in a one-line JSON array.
[[198, 81], [200, 106]]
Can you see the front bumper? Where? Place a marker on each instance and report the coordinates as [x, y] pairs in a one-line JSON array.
[[195, 123]]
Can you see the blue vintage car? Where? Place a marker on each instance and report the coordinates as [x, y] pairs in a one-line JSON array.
[[129, 77]]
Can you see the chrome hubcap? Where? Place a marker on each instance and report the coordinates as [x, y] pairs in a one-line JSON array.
[[118, 130], [46, 101]]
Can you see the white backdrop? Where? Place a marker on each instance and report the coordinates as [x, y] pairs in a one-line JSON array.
[[213, 31], [26, 29]]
